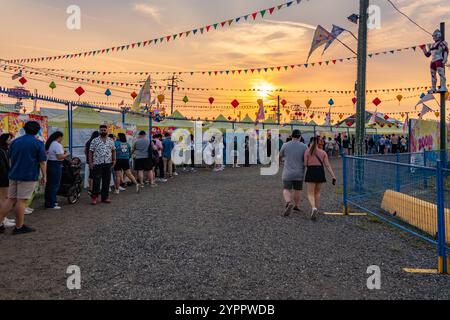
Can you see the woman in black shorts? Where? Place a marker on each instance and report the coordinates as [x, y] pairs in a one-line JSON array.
[[5, 141], [123, 152], [315, 161]]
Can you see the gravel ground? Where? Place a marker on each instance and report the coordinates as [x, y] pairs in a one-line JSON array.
[[213, 236]]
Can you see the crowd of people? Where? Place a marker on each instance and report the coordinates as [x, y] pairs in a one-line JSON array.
[[114, 164], [374, 144]]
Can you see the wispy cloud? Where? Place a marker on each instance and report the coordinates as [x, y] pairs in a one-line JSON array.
[[149, 10]]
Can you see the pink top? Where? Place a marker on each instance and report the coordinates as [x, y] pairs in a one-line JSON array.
[[159, 147], [311, 160]]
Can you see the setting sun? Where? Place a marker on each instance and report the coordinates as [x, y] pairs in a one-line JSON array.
[[264, 88]]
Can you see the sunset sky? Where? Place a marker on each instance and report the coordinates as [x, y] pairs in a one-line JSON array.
[[34, 28]]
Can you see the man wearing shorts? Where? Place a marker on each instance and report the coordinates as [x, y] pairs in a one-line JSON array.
[[293, 172], [27, 156], [142, 162]]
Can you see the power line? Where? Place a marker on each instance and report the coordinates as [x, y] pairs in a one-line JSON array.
[[407, 17]]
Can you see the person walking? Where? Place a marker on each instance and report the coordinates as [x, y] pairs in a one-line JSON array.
[[123, 152], [395, 140], [55, 156], [102, 158], [293, 154], [382, 145], [316, 160], [27, 157], [168, 147], [5, 141]]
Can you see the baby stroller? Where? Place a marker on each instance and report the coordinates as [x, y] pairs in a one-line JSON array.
[[71, 180]]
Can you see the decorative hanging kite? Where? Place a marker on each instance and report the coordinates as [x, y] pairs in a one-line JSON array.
[[308, 103], [283, 103], [107, 93], [185, 99], [23, 80], [79, 91], [211, 100], [376, 102], [399, 98], [134, 95], [354, 100], [161, 98], [331, 102], [52, 86]]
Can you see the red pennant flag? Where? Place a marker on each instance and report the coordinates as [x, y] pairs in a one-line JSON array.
[[271, 10], [254, 15]]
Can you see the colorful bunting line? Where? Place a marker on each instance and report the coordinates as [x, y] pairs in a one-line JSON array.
[[231, 71], [141, 44]]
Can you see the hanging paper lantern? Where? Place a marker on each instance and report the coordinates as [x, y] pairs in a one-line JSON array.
[[376, 102], [185, 99], [403, 115], [308, 103], [331, 102], [52, 85], [341, 116], [437, 114], [161, 98], [288, 112], [229, 118], [235, 103], [386, 117], [354, 100], [283, 103], [211, 100], [312, 116], [399, 98], [79, 91], [107, 92], [349, 124], [23, 81], [134, 95]]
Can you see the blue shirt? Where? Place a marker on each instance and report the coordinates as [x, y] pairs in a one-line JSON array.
[[168, 146], [26, 153], [123, 150]]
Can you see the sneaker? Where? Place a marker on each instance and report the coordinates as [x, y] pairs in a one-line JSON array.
[[175, 173], [9, 223], [94, 200], [2, 228], [287, 212], [138, 188], [28, 211], [153, 185], [142, 186], [122, 189], [117, 191], [55, 208], [24, 229], [163, 180], [106, 201], [314, 214]]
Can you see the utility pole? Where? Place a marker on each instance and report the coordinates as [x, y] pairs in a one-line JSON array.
[[361, 82], [278, 112], [174, 84], [443, 114]]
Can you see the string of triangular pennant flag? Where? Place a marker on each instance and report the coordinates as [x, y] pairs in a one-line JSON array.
[[141, 44]]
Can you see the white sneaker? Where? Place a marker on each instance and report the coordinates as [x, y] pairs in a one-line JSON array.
[[175, 173], [9, 223], [56, 208], [163, 180], [117, 191], [29, 209], [138, 188], [28, 212], [122, 189]]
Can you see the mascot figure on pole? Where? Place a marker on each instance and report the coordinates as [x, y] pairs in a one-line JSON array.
[[438, 52]]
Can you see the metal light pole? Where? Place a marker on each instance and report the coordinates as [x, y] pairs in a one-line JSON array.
[[361, 82], [443, 115]]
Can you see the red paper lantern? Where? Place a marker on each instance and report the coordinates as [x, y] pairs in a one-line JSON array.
[[211, 100], [134, 95], [23, 81], [235, 103], [349, 124], [79, 91], [354, 100], [229, 118], [386, 117], [376, 102], [283, 102]]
